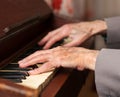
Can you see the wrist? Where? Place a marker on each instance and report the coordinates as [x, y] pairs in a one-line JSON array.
[[92, 57], [99, 26]]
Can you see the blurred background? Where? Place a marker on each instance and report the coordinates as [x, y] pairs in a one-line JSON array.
[[86, 9]]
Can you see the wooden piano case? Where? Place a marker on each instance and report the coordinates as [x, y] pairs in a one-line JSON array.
[[22, 24]]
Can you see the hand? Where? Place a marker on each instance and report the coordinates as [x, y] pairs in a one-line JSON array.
[[69, 57], [76, 33]]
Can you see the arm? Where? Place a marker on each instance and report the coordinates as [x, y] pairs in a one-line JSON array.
[[67, 57], [107, 69], [76, 33], [79, 58], [107, 73], [113, 32]]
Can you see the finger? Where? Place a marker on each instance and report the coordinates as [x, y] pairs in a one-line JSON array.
[[52, 41], [44, 68], [34, 60], [40, 52], [58, 36], [48, 36], [45, 39]]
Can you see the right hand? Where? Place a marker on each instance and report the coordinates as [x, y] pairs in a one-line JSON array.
[[67, 57], [76, 33]]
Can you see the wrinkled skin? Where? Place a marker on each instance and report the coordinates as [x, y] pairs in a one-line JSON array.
[[74, 57], [77, 33], [67, 56]]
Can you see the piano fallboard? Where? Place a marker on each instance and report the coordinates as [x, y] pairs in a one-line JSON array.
[[23, 24]]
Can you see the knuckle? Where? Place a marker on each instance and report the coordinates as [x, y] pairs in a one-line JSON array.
[[66, 26], [37, 52], [59, 47], [36, 70]]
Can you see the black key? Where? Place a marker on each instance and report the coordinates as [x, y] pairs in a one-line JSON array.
[[18, 68], [12, 72], [16, 80], [13, 76], [15, 66]]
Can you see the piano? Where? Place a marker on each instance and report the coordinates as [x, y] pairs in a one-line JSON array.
[[22, 24]]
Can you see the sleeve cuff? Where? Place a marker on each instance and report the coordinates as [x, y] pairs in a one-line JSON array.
[[107, 73], [113, 32]]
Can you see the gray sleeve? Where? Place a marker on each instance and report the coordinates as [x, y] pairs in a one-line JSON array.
[[113, 32], [107, 73], [107, 70]]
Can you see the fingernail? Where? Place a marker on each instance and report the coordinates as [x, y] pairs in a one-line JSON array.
[[20, 62], [45, 48], [30, 72]]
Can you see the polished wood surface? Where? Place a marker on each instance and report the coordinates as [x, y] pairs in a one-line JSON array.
[[22, 27], [66, 83], [10, 89]]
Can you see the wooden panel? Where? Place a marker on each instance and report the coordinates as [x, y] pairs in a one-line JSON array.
[[13, 12], [9, 89]]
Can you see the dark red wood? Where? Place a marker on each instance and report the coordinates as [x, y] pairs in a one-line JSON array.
[[9, 89], [21, 37], [55, 84]]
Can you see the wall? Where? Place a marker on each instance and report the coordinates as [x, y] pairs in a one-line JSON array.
[[105, 8], [90, 9]]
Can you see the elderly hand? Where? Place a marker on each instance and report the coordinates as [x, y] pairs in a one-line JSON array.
[[76, 33], [69, 57]]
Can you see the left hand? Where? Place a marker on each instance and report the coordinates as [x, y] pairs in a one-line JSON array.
[[76, 33], [69, 57]]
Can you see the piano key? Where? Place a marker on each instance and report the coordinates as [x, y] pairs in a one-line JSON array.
[[18, 68], [33, 81], [15, 66], [21, 69], [13, 76], [39, 81], [16, 80], [14, 72]]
